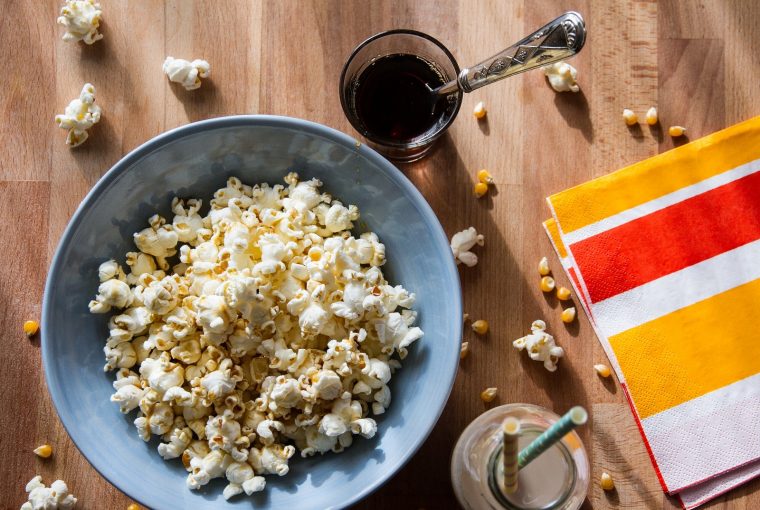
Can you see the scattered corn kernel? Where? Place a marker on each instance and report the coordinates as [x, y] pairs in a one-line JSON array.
[[480, 110], [568, 315], [547, 284], [485, 176], [480, 327], [31, 328], [652, 116], [606, 482], [480, 189], [44, 451], [543, 267], [602, 370], [676, 131], [464, 350], [133, 506], [563, 293], [630, 117], [488, 394], [465, 317]]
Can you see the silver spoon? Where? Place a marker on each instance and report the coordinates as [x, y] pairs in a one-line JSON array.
[[557, 40]]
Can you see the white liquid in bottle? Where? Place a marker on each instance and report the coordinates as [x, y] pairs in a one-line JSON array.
[[557, 479]]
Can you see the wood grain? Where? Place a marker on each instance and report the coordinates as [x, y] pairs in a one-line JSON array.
[[695, 59]]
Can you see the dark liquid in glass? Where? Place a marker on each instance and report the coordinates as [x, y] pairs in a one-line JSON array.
[[393, 101]]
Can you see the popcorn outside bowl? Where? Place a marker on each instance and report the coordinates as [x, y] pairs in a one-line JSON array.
[[194, 161]]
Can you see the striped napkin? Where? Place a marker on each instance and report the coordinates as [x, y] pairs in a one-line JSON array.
[[665, 257]]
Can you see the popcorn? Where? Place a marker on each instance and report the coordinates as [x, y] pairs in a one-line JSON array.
[[48, 498], [461, 244], [188, 74], [276, 326], [81, 18], [79, 116], [562, 76], [540, 346]]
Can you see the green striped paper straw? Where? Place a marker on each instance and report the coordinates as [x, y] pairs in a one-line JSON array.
[[574, 417]]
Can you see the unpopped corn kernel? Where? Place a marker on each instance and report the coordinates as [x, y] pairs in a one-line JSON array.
[[488, 394], [547, 284], [652, 116], [543, 266], [31, 328], [44, 451], [480, 189], [563, 293], [606, 482], [602, 370], [484, 176], [480, 110], [568, 315], [480, 327], [464, 350], [133, 506], [676, 131], [630, 117]]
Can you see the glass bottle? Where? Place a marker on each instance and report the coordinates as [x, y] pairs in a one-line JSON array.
[[557, 479]]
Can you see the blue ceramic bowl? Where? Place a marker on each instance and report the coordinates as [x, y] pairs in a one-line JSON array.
[[193, 161]]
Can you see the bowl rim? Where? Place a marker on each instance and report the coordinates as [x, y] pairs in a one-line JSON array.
[[123, 165]]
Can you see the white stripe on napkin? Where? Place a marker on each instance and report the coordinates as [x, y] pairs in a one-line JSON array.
[[710, 434], [678, 290]]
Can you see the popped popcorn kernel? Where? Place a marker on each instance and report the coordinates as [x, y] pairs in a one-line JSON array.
[[480, 189], [480, 326], [606, 482], [630, 117], [676, 131], [44, 451], [547, 284], [186, 73], [31, 328], [540, 346], [562, 77], [651, 116], [479, 111], [543, 267], [81, 18], [602, 370], [55, 497], [79, 116], [464, 350], [461, 244], [485, 176], [488, 394], [563, 293], [568, 315]]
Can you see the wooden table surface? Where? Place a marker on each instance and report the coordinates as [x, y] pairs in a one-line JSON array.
[[696, 60]]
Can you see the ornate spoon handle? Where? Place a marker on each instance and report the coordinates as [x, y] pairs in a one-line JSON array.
[[557, 40]]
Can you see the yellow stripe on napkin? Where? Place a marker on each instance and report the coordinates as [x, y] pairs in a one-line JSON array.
[[692, 351]]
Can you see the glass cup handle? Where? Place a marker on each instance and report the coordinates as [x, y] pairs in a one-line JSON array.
[[555, 41]]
